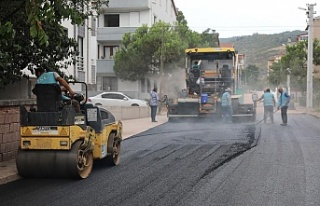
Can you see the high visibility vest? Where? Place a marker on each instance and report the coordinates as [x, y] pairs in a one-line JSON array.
[[268, 99], [284, 99], [47, 78], [224, 99]]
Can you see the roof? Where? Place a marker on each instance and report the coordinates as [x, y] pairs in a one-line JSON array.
[[174, 7], [227, 45]]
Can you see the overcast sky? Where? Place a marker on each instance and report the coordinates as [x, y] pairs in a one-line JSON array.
[[245, 17]]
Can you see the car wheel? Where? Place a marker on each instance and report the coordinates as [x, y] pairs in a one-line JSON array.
[[135, 105]]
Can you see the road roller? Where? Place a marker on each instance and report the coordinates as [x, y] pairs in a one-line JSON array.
[[58, 142]]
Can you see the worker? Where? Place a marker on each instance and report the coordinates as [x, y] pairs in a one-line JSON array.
[[195, 65], [44, 77], [283, 103], [154, 98], [268, 103], [226, 106]]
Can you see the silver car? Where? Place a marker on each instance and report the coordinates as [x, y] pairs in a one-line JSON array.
[[115, 99]]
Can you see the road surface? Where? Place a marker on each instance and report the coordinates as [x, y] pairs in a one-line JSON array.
[[196, 164]]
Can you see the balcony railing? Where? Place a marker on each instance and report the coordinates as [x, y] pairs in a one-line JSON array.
[[105, 66], [113, 33], [80, 64], [125, 5]]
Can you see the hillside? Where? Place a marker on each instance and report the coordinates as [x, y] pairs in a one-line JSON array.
[[258, 48]]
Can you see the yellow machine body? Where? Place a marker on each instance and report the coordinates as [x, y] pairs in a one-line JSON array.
[[62, 137], [57, 142]]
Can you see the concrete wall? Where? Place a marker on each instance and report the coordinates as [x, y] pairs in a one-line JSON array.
[[18, 90], [10, 127], [123, 113]]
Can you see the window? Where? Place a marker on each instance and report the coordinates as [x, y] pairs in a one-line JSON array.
[[107, 96], [110, 84], [104, 115], [110, 51], [80, 60], [118, 96], [113, 96], [111, 20], [80, 46]]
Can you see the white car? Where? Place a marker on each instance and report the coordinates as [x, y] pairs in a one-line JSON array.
[[115, 99]]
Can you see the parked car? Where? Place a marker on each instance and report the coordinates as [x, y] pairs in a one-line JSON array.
[[115, 99]]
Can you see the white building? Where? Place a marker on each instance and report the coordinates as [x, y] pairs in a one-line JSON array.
[[123, 16], [85, 68], [99, 39]]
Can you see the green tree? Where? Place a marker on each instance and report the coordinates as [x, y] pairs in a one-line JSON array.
[[209, 38], [190, 38], [276, 75], [296, 60], [31, 35], [250, 76], [140, 52]]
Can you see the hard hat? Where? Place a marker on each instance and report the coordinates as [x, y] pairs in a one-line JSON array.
[[228, 89]]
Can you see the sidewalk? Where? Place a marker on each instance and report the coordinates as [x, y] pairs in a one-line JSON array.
[[303, 110], [8, 170]]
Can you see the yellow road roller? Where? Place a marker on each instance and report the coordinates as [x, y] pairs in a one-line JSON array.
[[57, 142]]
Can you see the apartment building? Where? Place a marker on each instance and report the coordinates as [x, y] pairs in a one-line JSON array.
[[85, 68], [123, 16]]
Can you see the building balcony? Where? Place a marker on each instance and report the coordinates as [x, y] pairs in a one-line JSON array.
[[125, 5], [113, 33], [105, 66]]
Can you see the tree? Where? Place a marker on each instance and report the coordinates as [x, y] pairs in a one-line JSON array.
[[209, 38], [296, 60], [276, 75], [31, 35], [250, 76], [140, 53], [190, 38]]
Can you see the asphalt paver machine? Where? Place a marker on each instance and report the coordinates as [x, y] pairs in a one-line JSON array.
[[208, 73]]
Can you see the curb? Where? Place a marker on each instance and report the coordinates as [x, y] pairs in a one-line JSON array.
[[9, 178]]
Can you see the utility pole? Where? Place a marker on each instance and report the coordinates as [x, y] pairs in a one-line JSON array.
[[309, 100], [288, 80], [161, 68]]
